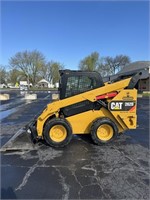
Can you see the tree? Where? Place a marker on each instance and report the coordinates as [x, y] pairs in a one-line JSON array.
[[106, 65], [15, 76], [3, 75], [52, 72], [104, 69], [30, 63], [117, 63], [90, 63]]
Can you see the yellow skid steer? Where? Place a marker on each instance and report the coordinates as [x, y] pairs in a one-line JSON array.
[[86, 105]]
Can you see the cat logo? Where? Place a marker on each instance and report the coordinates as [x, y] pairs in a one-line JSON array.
[[122, 106], [116, 105]]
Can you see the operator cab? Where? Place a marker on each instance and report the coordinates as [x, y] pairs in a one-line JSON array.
[[76, 82]]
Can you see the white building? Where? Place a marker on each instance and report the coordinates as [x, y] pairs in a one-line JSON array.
[[44, 84]]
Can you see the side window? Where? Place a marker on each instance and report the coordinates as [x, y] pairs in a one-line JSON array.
[[79, 84], [86, 83], [72, 86]]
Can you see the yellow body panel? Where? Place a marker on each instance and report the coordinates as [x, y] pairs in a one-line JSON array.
[[127, 119], [81, 123]]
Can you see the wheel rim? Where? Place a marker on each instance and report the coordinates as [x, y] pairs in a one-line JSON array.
[[105, 132], [58, 133]]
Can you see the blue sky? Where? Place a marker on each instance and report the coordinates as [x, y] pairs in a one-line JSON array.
[[68, 31]]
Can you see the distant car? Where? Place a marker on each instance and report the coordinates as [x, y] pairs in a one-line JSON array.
[[23, 87]]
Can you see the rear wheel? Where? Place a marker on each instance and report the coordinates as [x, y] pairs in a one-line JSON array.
[[103, 130], [57, 132]]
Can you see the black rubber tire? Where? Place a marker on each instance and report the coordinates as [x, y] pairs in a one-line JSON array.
[[96, 124], [50, 124]]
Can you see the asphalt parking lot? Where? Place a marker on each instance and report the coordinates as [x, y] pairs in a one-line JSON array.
[[82, 170]]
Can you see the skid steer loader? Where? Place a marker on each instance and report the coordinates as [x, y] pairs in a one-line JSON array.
[[86, 105]]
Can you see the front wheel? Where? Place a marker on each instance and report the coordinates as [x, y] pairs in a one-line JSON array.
[[103, 130], [57, 132]]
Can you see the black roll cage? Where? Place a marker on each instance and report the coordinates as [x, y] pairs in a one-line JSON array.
[[65, 74]]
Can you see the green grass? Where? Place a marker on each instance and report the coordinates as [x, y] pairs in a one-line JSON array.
[[30, 89], [41, 89], [146, 95], [9, 88]]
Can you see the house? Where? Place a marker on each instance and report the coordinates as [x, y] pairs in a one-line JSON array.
[[44, 84], [133, 68], [3, 85]]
